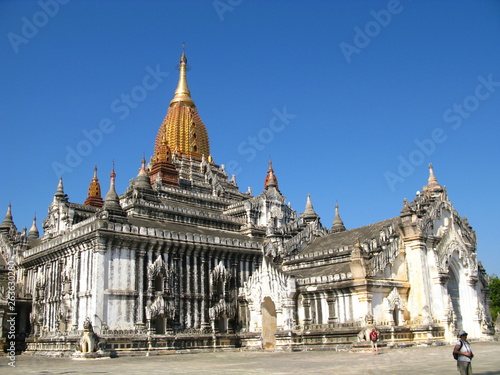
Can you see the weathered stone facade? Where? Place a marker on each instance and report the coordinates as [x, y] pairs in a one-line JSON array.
[[184, 260], [416, 274]]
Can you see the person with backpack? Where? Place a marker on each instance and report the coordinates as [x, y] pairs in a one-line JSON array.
[[374, 339], [462, 352]]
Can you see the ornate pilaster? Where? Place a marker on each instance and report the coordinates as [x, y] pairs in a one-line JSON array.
[[289, 319], [440, 285], [177, 291], [204, 294], [188, 294], [196, 299], [313, 307], [306, 304], [182, 291], [98, 284], [140, 289], [60, 318], [330, 299], [52, 296], [150, 281], [365, 300], [420, 296], [246, 268]]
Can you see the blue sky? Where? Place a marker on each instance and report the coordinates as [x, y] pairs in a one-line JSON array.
[[350, 99]]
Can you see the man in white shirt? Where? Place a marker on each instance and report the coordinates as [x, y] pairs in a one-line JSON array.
[[464, 352]]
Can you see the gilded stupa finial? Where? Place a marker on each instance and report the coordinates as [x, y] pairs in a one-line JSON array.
[[270, 180], [94, 195], [182, 93], [182, 131]]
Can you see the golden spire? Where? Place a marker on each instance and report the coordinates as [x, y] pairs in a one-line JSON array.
[[94, 197], [182, 129], [182, 93]]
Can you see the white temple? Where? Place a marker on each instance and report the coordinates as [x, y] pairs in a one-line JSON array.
[[183, 259]]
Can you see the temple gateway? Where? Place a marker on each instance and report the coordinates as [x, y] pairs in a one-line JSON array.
[[183, 259]]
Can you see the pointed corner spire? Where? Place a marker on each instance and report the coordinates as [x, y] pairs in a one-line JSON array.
[[338, 224], [432, 179], [112, 178], [8, 221], [33, 232], [60, 196], [142, 180], [112, 201], [94, 195], [60, 188], [182, 93], [8, 215], [309, 213], [271, 179], [432, 183]]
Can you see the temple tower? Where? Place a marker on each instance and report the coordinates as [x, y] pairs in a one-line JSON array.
[[182, 133]]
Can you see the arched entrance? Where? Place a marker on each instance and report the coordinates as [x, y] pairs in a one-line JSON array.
[[395, 315], [269, 324], [454, 292], [159, 324], [222, 323]]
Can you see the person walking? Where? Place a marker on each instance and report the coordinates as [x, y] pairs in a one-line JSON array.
[[374, 339], [465, 355]]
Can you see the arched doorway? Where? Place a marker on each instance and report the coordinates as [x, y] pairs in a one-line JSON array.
[[269, 324], [454, 292], [395, 315], [222, 323], [159, 324]]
